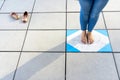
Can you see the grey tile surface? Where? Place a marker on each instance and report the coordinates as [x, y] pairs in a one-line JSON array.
[[46, 31], [113, 5], [112, 20], [7, 22], [115, 40], [8, 63], [51, 40], [50, 6], [17, 6], [85, 66], [41, 66], [1, 3], [117, 58], [11, 40], [73, 5], [48, 21]]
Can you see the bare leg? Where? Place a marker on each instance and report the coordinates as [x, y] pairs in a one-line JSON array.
[[84, 37]]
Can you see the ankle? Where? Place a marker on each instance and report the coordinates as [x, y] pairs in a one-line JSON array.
[[84, 32], [89, 33]]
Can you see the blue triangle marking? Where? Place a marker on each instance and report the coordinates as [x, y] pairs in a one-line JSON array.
[[71, 48], [69, 32], [104, 32], [106, 48]]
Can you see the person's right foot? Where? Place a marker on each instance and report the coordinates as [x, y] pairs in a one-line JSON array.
[[90, 38], [84, 37]]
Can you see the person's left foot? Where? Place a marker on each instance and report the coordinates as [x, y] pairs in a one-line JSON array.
[[84, 37], [90, 38]]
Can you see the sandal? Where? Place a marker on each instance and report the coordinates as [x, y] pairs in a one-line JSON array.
[[15, 16], [25, 17]]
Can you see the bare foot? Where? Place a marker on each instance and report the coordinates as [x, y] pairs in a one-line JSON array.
[[84, 37], [90, 38]]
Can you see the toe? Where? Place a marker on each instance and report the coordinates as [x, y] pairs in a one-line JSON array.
[[84, 41]]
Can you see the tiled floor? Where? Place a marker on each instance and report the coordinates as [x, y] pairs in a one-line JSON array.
[[40, 49]]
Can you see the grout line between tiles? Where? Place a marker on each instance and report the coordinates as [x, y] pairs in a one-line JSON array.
[[65, 39], [107, 30], [16, 66], [112, 48], [110, 11], [46, 29], [64, 51], [54, 12], [104, 21], [31, 29], [2, 4], [66, 44], [28, 26], [116, 66], [23, 42], [34, 12]]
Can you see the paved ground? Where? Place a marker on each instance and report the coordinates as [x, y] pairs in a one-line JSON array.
[[44, 48]]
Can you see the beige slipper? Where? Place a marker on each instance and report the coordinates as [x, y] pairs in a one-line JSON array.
[[25, 17], [15, 16]]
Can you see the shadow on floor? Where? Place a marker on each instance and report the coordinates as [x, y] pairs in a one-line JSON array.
[[36, 64]]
